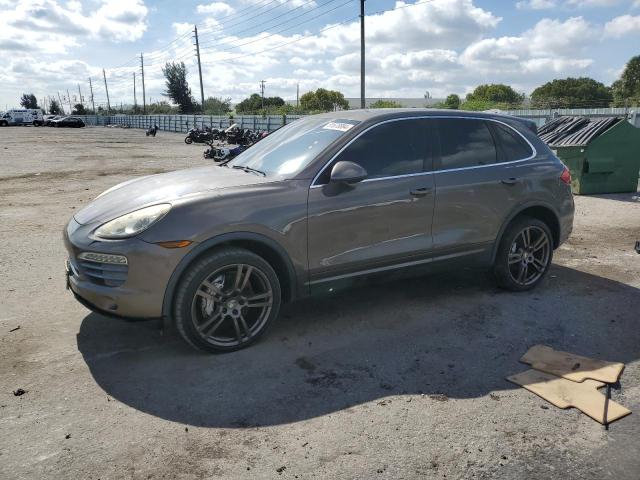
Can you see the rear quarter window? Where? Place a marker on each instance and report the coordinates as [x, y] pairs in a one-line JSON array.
[[512, 145]]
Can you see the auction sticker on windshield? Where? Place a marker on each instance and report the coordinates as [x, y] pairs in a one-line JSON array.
[[340, 126]]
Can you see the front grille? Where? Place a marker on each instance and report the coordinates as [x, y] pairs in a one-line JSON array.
[[107, 274]]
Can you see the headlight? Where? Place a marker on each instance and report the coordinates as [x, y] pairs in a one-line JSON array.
[[133, 223]]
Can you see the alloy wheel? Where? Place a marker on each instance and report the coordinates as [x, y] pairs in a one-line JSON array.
[[232, 305], [529, 255]]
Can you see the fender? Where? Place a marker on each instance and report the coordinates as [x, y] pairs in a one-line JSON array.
[[212, 242], [517, 210]]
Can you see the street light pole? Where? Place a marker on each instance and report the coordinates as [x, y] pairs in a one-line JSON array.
[[362, 102]]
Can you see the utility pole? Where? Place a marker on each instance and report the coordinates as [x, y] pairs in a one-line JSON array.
[[195, 30], [106, 89], [69, 100], [144, 95], [80, 93], [297, 94], [92, 102], [262, 92], [60, 102], [135, 99], [362, 103]]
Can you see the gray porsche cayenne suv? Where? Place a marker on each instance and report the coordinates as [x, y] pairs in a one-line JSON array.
[[322, 203]]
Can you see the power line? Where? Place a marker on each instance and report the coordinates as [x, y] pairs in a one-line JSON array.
[[217, 28], [232, 47], [229, 33], [304, 37]]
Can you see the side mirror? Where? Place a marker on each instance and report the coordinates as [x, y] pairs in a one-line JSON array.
[[347, 172]]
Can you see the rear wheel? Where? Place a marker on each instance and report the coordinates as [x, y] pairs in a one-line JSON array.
[[227, 300], [524, 254]]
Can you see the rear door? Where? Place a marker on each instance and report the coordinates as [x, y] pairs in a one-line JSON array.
[[480, 176], [383, 220]]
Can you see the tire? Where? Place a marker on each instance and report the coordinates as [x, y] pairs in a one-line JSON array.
[[188, 140], [4, 124], [226, 300], [522, 259]]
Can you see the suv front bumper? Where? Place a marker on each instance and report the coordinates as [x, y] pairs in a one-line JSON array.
[[139, 289]]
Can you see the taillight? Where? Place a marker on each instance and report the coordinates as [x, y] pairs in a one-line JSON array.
[[565, 176]]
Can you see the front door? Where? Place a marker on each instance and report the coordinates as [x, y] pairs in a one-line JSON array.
[[382, 221]]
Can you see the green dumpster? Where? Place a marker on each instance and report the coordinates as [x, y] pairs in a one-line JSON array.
[[603, 154]]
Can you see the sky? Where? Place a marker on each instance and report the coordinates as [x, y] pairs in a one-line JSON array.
[[437, 46]]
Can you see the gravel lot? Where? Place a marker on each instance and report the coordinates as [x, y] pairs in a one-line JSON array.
[[404, 380]]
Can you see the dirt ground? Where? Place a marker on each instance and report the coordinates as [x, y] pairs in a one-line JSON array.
[[399, 381]]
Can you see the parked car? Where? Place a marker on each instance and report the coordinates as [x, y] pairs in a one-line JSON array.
[[49, 118], [72, 122], [322, 203], [22, 116]]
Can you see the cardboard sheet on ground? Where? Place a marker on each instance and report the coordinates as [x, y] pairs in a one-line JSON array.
[[564, 393], [570, 366]]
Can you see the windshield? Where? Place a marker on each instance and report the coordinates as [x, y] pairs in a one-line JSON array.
[[289, 149]]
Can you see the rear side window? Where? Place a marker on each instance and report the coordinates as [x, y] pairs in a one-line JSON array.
[[465, 143], [512, 144], [393, 148]]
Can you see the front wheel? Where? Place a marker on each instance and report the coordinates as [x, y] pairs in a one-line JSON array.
[[524, 254], [227, 300], [188, 140]]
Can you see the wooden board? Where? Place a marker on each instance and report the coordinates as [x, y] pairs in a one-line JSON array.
[[570, 366], [564, 393]]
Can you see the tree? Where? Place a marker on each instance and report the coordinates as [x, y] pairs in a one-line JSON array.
[[217, 106], [495, 93], [571, 93], [29, 100], [177, 86], [626, 90], [161, 107], [54, 107], [254, 104], [385, 104], [78, 109], [452, 102], [323, 100]]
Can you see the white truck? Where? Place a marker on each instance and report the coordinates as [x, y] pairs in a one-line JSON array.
[[25, 116]]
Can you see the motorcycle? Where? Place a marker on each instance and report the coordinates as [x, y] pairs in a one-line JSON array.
[[220, 154], [195, 135], [152, 131]]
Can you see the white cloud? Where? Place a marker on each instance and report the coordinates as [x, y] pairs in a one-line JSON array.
[[40, 23], [536, 4], [443, 46], [622, 25], [548, 4], [592, 3], [216, 8]]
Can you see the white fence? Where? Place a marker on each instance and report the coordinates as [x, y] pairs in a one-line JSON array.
[[182, 123]]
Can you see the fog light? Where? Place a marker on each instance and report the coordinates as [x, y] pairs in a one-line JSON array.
[[103, 258]]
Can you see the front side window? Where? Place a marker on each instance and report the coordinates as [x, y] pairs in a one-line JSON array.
[[465, 143], [391, 149]]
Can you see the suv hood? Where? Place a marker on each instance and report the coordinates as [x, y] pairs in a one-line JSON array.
[[162, 188]]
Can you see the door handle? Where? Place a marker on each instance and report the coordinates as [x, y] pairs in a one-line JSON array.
[[510, 181], [420, 192]]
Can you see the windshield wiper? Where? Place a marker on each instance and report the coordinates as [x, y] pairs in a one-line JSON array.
[[249, 169]]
